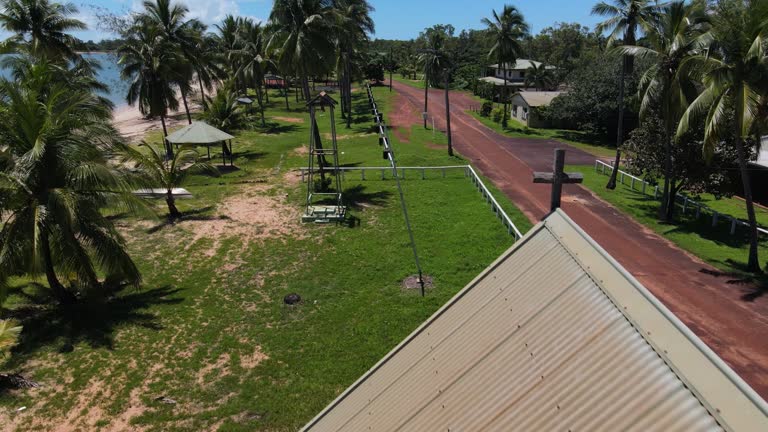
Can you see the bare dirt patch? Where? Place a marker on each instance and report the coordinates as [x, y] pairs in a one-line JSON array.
[[412, 282], [301, 151], [220, 366], [252, 360], [250, 215], [289, 119]]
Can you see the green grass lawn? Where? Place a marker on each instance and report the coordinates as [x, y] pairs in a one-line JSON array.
[[713, 245], [209, 329], [576, 139]]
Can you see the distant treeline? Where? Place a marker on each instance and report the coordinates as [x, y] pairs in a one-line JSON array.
[[102, 45]]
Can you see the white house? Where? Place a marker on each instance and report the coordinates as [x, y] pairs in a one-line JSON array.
[[515, 73], [525, 104]]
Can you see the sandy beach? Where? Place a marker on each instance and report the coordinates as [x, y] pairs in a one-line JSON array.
[[133, 126]]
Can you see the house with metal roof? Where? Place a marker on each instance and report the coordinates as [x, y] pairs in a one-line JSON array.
[[553, 336], [515, 73], [526, 104]]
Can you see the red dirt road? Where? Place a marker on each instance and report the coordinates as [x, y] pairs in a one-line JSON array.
[[717, 311]]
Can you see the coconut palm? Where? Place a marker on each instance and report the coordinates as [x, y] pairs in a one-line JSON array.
[[624, 20], [156, 171], [9, 336], [303, 34], [184, 35], [223, 111], [42, 25], [253, 62], [539, 77], [208, 63], [734, 67], [353, 24], [54, 184], [148, 61], [673, 38], [506, 31], [434, 59]]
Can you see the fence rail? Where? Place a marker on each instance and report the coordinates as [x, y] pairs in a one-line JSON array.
[[681, 200], [467, 170]]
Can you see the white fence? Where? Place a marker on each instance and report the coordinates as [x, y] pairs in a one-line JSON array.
[[421, 172], [636, 183]]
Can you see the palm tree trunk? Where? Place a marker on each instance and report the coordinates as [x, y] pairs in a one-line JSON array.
[[752, 262], [173, 212], [202, 91], [266, 91], [619, 130], [342, 89], [62, 295], [667, 199], [349, 88], [168, 147], [285, 90], [504, 121], [261, 105], [186, 107], [448, 116], [426, 97]]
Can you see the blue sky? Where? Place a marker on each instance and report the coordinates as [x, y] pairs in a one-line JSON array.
[[395, 19]]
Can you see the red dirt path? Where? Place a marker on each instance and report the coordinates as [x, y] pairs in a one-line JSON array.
[[717, 311]]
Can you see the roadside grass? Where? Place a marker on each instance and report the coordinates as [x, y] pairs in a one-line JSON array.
[[714, 245], [574, 138], [209, 329]]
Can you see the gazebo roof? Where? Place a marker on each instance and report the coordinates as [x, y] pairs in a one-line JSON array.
[[198, 133], [322, 99]]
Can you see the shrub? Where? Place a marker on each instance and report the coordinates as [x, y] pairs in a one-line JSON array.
[[486, 109], [497, 114]]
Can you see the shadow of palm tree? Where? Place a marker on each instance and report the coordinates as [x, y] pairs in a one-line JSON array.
[[357, 198], [275, 128], [92, 322], [189, 215]]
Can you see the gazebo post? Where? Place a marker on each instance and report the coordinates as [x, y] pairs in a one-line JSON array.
[[231, 155], [223, 153], [208, 146]]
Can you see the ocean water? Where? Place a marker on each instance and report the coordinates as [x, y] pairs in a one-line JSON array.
[[109, 74]]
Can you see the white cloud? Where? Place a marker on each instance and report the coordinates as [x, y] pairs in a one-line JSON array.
[[208, 11]]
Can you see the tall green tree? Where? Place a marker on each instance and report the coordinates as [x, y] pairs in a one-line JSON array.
[[149, 61], [625, 19], [180, 34], [671, 39], [433, 58], [353, 24], [507, 30], [733, 71], [55, 182], [539, 77], [42, 25], [303, 34]]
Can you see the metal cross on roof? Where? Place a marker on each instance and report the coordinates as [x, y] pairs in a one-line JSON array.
[[557, 178]]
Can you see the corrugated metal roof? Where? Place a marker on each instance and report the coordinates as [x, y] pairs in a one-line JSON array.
[[521, 64], [538, 98], [554, 335]]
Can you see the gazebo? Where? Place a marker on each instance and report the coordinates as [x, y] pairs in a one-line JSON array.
[[201, 133]]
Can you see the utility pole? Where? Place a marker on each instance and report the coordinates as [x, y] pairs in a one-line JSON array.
[[391, 66], [448, 112]]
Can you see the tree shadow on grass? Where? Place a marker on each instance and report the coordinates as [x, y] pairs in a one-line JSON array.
[[275, 128], [201, 214], [357, 198], [93, 323]]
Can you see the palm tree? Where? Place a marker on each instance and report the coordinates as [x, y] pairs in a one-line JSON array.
[[539, 77], [303, 35], [44, 25], [223, 111], [54, 184], [506, 31], [184, 35], [434, 59], [207, 64], [254, 66], [9, 336], [733, 68], [353, 25], [156, 171], [625, 18], [672, 39], [148, 61]]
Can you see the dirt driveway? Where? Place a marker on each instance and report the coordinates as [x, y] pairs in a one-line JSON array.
[[731, 318]]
